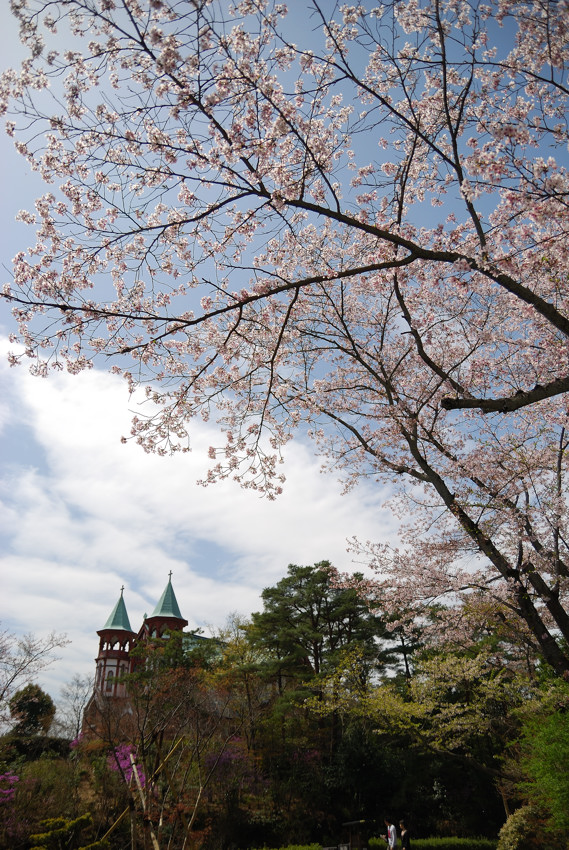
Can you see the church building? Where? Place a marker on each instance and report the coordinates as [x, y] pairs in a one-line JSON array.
[[114, 659], [117, 639]]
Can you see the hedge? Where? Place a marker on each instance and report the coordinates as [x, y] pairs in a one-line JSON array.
[[297, 847], [416, 844], [442, 843]]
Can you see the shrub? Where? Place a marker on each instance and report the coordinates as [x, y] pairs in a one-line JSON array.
[[525, 830], [60, 832]]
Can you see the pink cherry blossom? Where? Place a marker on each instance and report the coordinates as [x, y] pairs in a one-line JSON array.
[[355, 223]]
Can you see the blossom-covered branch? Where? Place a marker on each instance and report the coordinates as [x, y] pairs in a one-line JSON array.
[[354, 220]]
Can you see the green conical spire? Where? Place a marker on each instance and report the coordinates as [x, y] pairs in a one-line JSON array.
[[119, 617], [168, 605]]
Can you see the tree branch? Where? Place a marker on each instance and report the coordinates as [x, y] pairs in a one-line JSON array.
[[508, 404]]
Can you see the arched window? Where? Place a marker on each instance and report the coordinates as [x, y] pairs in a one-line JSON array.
[[110, 677]]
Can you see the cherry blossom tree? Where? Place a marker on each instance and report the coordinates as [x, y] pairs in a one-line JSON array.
[[351, 219]]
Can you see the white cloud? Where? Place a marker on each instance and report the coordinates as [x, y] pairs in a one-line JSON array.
[[82, 514]]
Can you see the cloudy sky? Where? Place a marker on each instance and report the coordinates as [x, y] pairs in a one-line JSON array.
[[81, 514]]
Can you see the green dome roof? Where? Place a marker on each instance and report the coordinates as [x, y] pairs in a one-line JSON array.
[[119, 617]]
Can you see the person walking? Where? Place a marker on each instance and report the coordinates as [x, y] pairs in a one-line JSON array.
[[391, 836], [405, 838]]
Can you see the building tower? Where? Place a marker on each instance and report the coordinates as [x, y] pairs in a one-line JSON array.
[[165, 618], [116, 640]]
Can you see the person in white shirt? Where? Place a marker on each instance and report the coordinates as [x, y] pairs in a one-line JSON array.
[[391, 836]]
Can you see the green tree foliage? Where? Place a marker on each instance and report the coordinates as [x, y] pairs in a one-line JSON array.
[[317, 744], [338, 738], [239, 665], [452, 722], [545, 757], [294, 724], [309, 617], [33, 710], [308, 621]]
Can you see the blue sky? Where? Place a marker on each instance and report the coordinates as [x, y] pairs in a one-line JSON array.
[[81, 514]]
